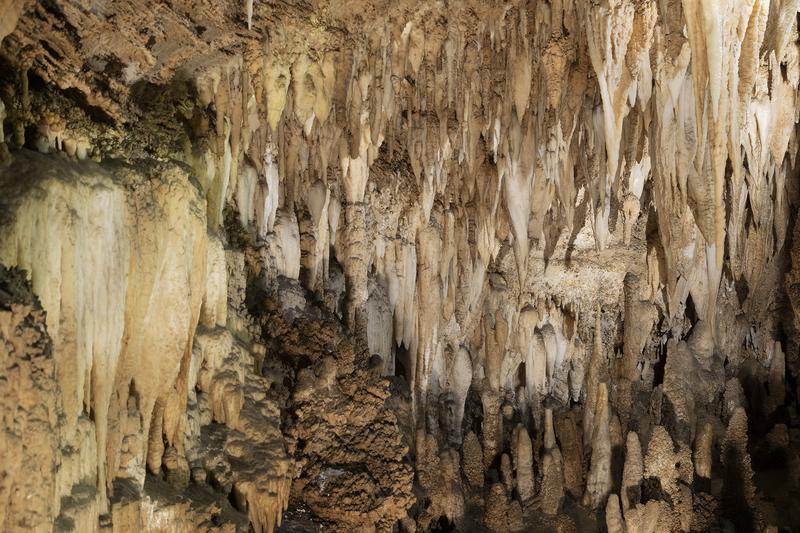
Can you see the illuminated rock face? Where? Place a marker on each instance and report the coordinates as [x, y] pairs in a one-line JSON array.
[[398, 264]]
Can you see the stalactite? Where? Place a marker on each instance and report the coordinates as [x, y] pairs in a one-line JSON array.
[[406, 223]]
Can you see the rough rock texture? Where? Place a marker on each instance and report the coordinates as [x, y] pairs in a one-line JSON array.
[[404, 265], [350, 452], [31, 410], [141, 243], [633, 470]]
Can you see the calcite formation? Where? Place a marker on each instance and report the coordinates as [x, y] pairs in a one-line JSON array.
[[399, 266]]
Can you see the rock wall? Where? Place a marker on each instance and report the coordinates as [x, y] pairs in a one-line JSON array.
[[406, 264], [124, 266]]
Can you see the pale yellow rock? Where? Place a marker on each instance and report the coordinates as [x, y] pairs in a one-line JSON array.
[[632, 472], [523, 463], [614, 521], [703, 458], [552, 487], [598, 480]]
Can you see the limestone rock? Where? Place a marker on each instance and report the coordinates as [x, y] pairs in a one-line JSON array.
[[334, 255], [473, 461], [523, 463], [598, 480], [30, 395], [552, 487], [632, 472], [571, 443]]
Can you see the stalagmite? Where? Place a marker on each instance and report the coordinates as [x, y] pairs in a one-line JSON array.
[[552, 488], [598, 480], [571, 444], [632, 472], [673, 471], [703, 458], [614, 520], [679, 407], [739, 491], [496, 518], [523, 463], [639, 318], [593, 384], [473, 461]]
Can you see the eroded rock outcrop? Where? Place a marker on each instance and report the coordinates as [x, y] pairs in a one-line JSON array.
[[352, 457], [32, 409]]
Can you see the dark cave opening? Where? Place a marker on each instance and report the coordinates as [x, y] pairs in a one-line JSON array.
[[401, 363], [443, 525]]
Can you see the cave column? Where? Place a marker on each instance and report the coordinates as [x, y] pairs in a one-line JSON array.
[[356, 263]]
